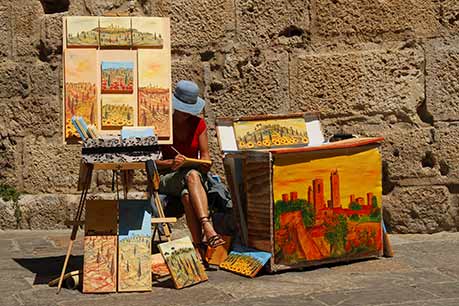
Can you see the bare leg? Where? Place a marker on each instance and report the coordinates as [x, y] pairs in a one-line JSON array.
[[199, 202], [191, 219]]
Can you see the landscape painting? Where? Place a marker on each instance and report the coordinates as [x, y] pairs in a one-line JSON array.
[[327, 206], [245, 261], [134, 253], [150, 32], [82, 31], [154, 94], [117, 111], [271, 133], [99, 267], [158, 266], [80, 98], [117, 77], [115, 32], [185, 267]]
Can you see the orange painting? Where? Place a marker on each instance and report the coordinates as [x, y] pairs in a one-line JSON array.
[[327, 206], [99, 268], [80, 89]]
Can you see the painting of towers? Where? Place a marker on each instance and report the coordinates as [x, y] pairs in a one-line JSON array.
[[327, 208]]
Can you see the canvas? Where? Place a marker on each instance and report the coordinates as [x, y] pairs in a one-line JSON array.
[[327, 206], [82, 31], [100, 246], [80, 89], [270, 133], [154, 97], [183, 263], [134, 253], [158, 266], [117, 77], [245, 261], [150, 32], [117, 111], [115, 32]]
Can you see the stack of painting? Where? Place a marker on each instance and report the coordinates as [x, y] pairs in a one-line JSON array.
[[118, 73]]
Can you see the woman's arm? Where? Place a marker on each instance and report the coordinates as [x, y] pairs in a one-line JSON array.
[[173, 164]]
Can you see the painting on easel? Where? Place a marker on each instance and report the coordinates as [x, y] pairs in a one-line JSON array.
[[82, 31], [80, 89], [117, 111], [117, 77], [115, 32], [154, 97], [134, 254], [270, 133], [184, 265], [327, 206], [150, 32]]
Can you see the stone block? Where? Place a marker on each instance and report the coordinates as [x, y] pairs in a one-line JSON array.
[[387, 82], [425, 209], [263, 23], [14, 80], [442, 72], [367, 20], [40, 116], [187, 68], [26, 22], [449, 15], [10, 157], [446, 150], [5, 30], [7, 217], [250, 84], [51, 36], [50, 165], [201, 22], [44, 80]]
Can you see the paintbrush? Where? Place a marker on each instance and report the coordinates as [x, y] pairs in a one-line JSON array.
[[176, 151]]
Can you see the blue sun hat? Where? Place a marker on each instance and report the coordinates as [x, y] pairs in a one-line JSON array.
[[186, 98]]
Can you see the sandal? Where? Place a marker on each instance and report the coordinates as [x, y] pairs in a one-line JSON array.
[[215, 240]]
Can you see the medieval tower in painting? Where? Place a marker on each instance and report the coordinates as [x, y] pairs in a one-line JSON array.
[[334, 188], [318, 194], [310, 195]]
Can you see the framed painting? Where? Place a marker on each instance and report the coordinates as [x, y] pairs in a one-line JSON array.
[[117, 111], [80, 98], [150, 32], [154, 93], [184, 265], [115, 32], [117, 77], [327, 206], [82, 31], [134, 252]]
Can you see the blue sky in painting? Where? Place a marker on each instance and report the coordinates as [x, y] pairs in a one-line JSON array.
[[117, 65], [261, 256], [134, 218]]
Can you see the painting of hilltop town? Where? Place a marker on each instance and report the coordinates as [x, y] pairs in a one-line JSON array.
[[134, 253], [150, 32], [245, 261], [82, 31], [117, 77], [99, 264], [272, 133], [80, 97], [115, 32], [154, 94], [183, 263], [327, 207], [117, 111]]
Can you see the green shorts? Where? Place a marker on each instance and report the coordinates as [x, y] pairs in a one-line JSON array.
[[174, 183]]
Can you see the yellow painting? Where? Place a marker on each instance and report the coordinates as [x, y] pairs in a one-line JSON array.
[[327, 206], [117, 111], [82, 31], [115, 32], [151, 32], [80, 89], [154, 97], [272, 133]]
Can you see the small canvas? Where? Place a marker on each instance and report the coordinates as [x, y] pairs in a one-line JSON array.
[[271, 133], [245, 261], [134, 254], [117, 111], [158, 266], [82, 31], [80, 97], [154, 96], [151, 32], [115, 32], [183, 263], [117, 77]]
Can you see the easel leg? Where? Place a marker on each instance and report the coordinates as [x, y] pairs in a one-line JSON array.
[[84, 192]]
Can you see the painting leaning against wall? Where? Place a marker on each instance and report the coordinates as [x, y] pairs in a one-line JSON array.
[[115, 32], [150, 32], [117, 77], [117, 111], [327, 207], [82, 31], [80, 89]]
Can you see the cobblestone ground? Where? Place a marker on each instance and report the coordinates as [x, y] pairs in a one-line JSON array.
[[425, 271]]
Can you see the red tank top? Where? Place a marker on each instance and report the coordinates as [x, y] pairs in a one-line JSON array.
[[190, 147]]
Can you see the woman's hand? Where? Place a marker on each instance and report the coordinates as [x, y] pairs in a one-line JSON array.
[[178, 161]]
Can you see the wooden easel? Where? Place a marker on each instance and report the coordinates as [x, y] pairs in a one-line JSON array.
[[84, 184]]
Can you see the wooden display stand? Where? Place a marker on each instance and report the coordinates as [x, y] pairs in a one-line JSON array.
[[84, 184], [305, 204]]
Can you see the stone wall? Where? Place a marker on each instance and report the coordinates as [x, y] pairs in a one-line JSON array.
[[373, 68]]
